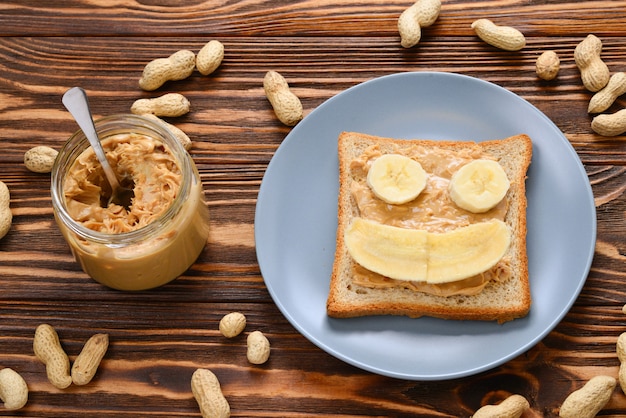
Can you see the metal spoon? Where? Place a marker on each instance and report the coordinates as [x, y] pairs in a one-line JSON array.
[[75, 100]]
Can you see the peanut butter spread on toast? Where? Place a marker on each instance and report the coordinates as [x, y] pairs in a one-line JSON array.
[[433, 210]]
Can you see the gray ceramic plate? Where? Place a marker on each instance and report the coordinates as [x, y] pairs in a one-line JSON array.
[[296, 218]]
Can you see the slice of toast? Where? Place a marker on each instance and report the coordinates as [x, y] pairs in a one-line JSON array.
[[499, 300]]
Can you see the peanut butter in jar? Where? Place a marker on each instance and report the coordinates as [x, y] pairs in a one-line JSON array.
[[163, 230]]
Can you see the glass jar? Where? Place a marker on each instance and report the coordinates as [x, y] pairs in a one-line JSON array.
[[154, 253]]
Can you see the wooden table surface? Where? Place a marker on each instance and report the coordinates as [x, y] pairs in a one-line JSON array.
[[159, 337]]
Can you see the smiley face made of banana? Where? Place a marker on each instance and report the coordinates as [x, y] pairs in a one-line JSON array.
[[431, 257]]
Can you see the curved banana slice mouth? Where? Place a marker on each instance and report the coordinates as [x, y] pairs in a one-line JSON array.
[[419, 255], [396, 179], [479, 185]]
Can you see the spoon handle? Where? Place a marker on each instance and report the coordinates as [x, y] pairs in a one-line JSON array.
[[76, 102]]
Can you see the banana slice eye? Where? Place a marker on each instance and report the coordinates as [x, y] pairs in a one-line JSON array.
[[479, 185], [396, 179]]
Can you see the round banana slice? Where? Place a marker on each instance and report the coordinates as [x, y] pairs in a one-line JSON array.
[[479, 185], [396, 179]]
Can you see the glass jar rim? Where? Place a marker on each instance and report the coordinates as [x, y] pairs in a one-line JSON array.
[[108, 126]]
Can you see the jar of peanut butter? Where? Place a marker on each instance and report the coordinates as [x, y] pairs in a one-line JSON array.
[[162, 231]]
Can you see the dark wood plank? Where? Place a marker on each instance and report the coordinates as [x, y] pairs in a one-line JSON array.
[[299, 18]]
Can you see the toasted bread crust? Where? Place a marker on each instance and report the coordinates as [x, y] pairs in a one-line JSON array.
[[502, 301]]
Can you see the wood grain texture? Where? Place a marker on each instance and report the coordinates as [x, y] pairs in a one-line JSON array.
[[158, 338]]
